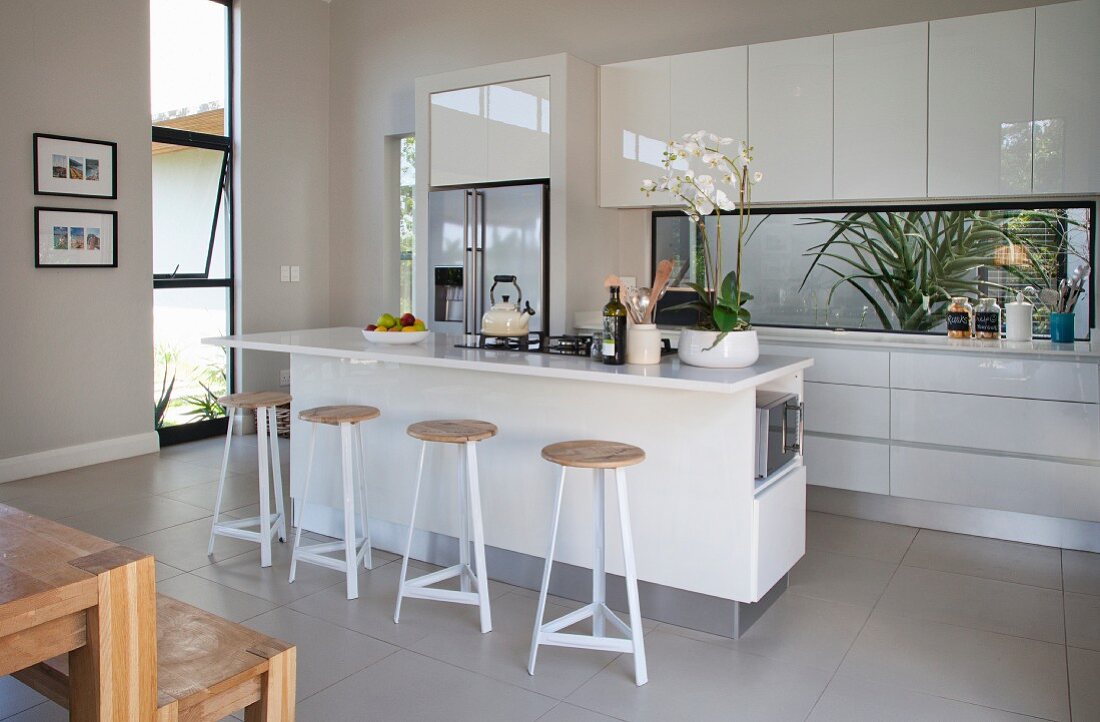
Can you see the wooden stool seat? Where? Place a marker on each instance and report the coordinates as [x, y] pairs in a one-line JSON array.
[[207, 668], [591, 454], [452, 431], [255, 399], [336, 415]]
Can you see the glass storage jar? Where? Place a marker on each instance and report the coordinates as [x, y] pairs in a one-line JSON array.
[[960, 318], [987, 319]]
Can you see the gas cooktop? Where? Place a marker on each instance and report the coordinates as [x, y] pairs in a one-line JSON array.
[[531, 343]]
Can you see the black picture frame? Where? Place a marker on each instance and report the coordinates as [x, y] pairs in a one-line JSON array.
[[50, 185], [70, 258]]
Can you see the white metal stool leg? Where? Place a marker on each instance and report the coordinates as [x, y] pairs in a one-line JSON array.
[[276, 468], [265, 487], [299, 508], [482, 577], [599, 579], [409, 538], [361, 488], [464, 523], [351, 561], [641, 675], [546, 574], [230, 414]]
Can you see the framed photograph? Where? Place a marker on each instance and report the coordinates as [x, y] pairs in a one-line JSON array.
[[65, 166], [75, 237]]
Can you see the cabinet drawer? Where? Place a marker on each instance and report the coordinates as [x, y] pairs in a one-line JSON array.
[[1047, 428], [778, 530], [847, 464], [839, 365], [993, 376], [1049, 488], [850, 410]]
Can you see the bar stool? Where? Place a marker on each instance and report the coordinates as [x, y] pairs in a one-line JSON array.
[[263, 403], [349, 419], [465, 434], [600, 456]]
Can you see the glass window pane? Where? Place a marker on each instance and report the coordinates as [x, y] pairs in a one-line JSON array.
[[407, 182], [188, 375], [185, 191], [189, 64]]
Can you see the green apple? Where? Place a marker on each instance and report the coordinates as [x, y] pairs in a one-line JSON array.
[[387, 320]]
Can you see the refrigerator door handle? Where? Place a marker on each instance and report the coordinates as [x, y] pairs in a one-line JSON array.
[[479, 248], [468, 266]]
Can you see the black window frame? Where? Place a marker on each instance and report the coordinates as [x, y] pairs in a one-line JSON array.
[[160, 134]]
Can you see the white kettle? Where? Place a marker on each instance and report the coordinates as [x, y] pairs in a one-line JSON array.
[[505, 318]]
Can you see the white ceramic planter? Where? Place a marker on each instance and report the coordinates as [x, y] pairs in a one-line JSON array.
[[643, 344], [737, 350]]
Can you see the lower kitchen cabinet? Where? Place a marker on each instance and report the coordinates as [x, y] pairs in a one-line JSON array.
[[1030, 486], [778, 530], [848, 410], [847, 463]]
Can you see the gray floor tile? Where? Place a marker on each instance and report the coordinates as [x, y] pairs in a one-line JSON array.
[[969, 665], [807, 631], [244, 573], [988, 558], [847, 699], [45, 712], [857, 537], [841, 578], [1081, 571], [503, 653], [166, 572], [134, 517], [1084, 684], [566, 712], [184, 546], [326, 653], [225, 602], [1083, 621], [240, 490], [988, 604], [690, 680], [16, 697], [408, 686]]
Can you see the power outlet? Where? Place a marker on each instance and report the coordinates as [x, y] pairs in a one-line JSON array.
[[284, 377]]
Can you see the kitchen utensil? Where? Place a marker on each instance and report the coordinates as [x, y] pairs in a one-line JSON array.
[[506, 318], [1050, 298], [660, 283], [638, 301]]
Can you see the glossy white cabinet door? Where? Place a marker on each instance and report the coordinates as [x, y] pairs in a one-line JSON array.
[[518, 116], [791, 118], [778, 530], [979, 104], [880, 117], [849, 410], [1067, 97], [459, 137], [634, 128], [996, 376], [857, 367], [709, 91], [847, 464]]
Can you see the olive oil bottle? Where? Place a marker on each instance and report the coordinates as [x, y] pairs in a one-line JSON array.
[[614, 330]]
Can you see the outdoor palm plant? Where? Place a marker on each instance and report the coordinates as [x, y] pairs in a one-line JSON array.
[[908, 265]]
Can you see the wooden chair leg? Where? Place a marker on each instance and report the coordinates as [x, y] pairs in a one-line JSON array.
[[277, 690]]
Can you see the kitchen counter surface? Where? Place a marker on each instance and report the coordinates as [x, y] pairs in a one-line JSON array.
[[439, 351]]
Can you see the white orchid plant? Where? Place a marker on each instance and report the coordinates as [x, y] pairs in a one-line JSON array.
[[721, 301]]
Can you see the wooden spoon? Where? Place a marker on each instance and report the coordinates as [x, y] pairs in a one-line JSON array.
[[660, 283]]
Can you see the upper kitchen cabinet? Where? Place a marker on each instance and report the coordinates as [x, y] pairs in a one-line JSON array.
[[519, 129], [1067, 98], [791, 118], [491, 133], [980, 74], [634, 128], [709, 91], [880, 118]]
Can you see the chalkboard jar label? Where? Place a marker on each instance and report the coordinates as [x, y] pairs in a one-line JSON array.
[[987, 322], [958, 321]]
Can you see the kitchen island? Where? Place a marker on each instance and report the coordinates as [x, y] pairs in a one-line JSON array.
[[709, 536]]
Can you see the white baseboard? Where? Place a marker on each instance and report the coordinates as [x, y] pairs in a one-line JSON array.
[[73, 457]]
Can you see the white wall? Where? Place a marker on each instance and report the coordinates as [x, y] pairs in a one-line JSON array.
[[282, 173], [76, 347], [379, 48]]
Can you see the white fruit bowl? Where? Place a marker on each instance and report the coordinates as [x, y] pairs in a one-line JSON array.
[[396, 338]]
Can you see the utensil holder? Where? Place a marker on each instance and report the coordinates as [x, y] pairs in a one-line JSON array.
[[1061, 328], [643, 344]]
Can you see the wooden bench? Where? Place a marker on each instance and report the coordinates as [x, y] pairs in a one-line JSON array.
[[207, 668]]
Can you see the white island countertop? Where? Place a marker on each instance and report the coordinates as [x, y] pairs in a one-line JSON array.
[[439, 350]]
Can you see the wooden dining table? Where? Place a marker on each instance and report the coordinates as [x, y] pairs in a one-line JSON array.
[[63, 591]]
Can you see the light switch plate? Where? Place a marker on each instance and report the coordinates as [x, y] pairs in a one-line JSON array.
[[284, 274], [284, 377], [295, 274]]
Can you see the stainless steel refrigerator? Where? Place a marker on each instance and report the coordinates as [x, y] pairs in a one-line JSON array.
[[475, 234]]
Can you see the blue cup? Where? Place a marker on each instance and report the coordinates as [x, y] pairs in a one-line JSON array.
[[1061, 327]]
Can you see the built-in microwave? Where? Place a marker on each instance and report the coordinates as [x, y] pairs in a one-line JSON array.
[[778, 431]]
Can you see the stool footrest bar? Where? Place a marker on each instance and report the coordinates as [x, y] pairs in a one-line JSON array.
[[584, 641], [443, 595]]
